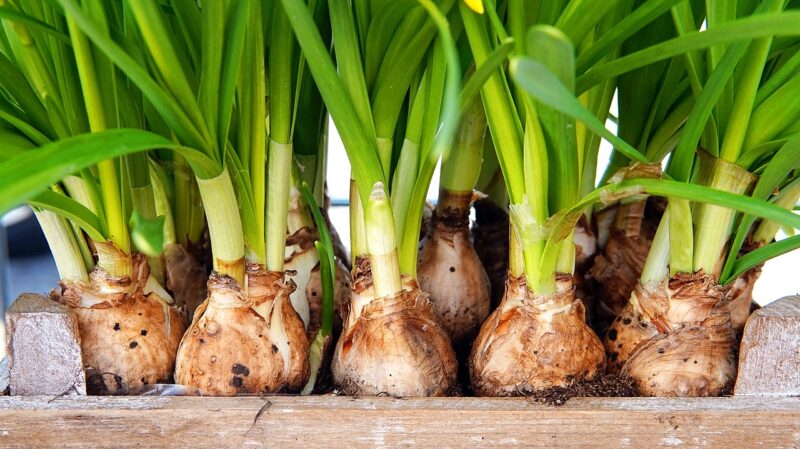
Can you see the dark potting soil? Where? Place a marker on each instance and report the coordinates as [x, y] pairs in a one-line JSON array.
[[607, 385]]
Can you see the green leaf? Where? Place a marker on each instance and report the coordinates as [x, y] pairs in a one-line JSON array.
[[680, 165], [349, 62], [147, 234], [361, 150], [539, 82], [694, 192], [446, 128], [621, 31], [231, 64], [781, 24], [759, 256], [399, 66], [501, 111], [381, 29], [774, 115], [72, 210], [487, 68], [580, 16], [327, 264], [169, 108], [16, 85], [156, 37], [24, 176], [552, 49], [785, 160], [13, 15]]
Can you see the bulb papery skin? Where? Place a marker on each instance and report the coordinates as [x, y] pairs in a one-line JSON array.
[[631, 327], [616, 269], [186, 278], [585, 245], [393, 345], [301, 258], [128, 336], [490, 235], [741, 290], [687, 348], [532, 343], [450, 271], [241, 345], [341, 293], [741, 294]]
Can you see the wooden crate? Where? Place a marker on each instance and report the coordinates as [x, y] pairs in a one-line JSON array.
[[771, 353], [337, 422]]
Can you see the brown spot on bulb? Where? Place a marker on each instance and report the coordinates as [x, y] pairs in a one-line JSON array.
[[240, 369]]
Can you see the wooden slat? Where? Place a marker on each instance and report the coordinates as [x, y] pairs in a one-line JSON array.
[[769, 357], [328, 421]]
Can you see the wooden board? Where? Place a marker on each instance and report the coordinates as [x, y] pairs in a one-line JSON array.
[[769, 357], [336, 422]]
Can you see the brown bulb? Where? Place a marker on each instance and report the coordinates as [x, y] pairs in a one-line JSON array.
[[534, 343], [237, 344], [393, 345], [129, 334], [450, 272], [616, 269], [676, 339], [186, 278]]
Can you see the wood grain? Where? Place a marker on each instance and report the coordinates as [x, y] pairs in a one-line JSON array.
[[330, 421], [769, 356]]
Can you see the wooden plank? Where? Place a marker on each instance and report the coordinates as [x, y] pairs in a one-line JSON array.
[[769, 356], [329, 421]]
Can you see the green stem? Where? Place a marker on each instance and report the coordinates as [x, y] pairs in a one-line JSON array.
[[535, 159], [501, 115], [224, 225], [255, 89], [681, 240], [113, 206], [382, 244], [189, 223], [162, 203], [63, 246], [713, 223], [566, 257], [655, 266], [516, 259], [461, 164], [385, 146], [403, 183], [143, 200], [358, 232], [82, 191], [279, 169]]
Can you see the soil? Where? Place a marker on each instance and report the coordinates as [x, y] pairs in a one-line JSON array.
[[608, 385]]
